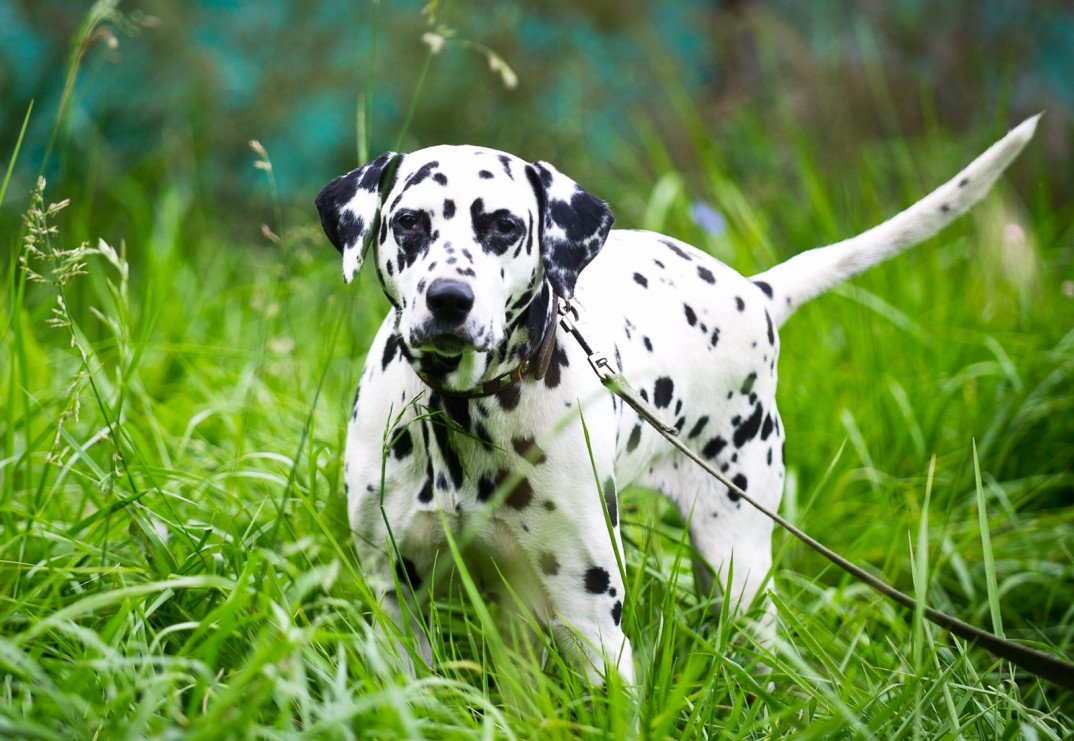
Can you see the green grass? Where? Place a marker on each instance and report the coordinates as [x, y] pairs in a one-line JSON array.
[[173, 546]]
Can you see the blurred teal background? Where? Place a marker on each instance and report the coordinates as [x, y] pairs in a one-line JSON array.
[[173, 99]]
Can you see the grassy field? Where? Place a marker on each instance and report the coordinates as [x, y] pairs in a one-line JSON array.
[[174, 558]]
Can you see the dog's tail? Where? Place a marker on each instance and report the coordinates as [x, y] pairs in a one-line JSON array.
[[809, 274]]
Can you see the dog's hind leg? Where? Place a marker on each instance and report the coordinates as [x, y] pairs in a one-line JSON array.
[[732, 540]]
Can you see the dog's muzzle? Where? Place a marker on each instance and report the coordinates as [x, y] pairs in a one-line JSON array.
[[449, 303]]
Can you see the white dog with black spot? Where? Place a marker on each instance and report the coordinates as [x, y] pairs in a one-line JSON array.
[[496, 423]]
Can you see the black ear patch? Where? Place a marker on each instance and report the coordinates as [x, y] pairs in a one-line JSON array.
[[349, 207], [574, 226]]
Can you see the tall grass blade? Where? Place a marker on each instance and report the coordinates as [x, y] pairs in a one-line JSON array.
[[986, 549], [15, 152]]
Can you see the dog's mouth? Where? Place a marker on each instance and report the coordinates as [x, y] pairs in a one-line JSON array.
[[450, 343], [446, 340], [445, 344]]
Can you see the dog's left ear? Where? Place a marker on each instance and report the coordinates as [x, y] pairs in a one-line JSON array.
[[574, 225], [350, 208]]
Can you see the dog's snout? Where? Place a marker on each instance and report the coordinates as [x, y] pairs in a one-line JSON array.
[[449, 300]]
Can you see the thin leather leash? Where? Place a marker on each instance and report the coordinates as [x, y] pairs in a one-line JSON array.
[[1033, 661]]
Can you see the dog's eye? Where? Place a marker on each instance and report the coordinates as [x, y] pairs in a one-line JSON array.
[[408, 222], [504, 227]]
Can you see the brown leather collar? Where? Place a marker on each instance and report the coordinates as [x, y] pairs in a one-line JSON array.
[[535, 367]]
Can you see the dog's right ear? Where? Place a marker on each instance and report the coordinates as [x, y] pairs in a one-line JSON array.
[[350, 208]]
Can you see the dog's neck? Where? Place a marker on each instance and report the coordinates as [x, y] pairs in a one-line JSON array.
[[525, 331]]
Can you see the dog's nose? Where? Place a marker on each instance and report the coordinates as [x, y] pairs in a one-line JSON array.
[[449, 300]]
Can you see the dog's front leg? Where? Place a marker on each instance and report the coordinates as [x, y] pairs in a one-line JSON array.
[[387, 479], [579, 568], [397, 574]]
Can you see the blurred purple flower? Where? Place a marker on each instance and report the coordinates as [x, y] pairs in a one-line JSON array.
[[708, 218]]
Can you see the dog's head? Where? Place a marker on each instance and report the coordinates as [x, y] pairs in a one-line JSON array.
[[467, 241]]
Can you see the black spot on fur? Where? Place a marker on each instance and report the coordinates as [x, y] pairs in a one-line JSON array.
[[451, 458], [677, 250], [617, 611], [422, 173], [739, 480], [520, 496], [506, 162], [549, 564], [403, 445], [648, 346], [705, 274], [641, 280], [691, 317], [449, 208], [559, 361], [611, 501], [963, 182], [713, 447], [440, 178], [771, 329], [634, 439], [486, 487], [580, 217], [527, 448], [945, 208], [765, 288], [597, 580], [748, 429], [426, 494], [663, 392], [392, 347], [549, 505], [407, 573], [715, 339], [766, 428], [482, 434], [747, 385], [458, 410], [698, 427], [484, 175], [509, 397], [740, 304]]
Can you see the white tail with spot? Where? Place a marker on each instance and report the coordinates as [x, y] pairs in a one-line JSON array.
[[809, 274]]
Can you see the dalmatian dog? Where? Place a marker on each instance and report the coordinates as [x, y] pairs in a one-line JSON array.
[[479, 422]]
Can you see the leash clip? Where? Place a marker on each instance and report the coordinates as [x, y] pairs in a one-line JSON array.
[[568, 315], [602, 366]]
